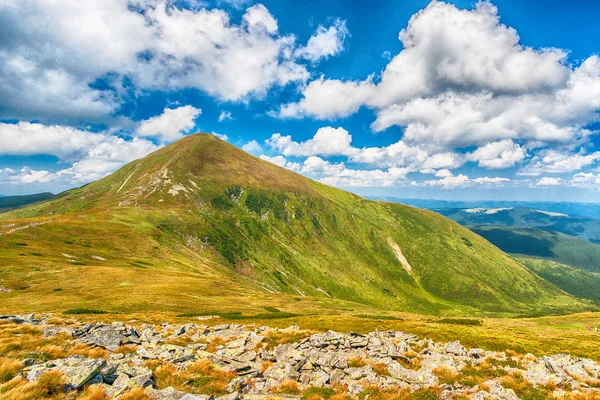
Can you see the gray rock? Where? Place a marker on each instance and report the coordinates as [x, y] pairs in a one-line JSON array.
[[106, 336], [497, 390], [455, 348], [77, 370], [421, 377]]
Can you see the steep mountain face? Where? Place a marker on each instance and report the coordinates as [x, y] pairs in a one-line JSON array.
[[202, 216], [525, 217]]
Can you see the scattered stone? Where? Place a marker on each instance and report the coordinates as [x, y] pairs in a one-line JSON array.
[[319, 360]]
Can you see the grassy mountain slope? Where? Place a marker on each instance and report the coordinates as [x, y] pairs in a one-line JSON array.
[[200, 224], [573, 280], [8, 203], [525, 217], [555, 246]]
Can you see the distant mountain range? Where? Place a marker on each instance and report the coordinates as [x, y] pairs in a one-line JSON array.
[[591, 210]]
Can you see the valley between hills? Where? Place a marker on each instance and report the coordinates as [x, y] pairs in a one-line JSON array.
[[202, 231]]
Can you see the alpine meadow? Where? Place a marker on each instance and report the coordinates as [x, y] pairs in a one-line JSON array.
[[278, 200]]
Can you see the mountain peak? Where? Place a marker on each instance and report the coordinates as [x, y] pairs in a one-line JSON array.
[[192, 169]]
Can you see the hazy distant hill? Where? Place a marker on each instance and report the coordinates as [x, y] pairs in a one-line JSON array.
[[11, 202], [524, 217], [554, 246], [201, 224]]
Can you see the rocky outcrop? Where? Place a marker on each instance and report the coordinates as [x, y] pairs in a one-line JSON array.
[[388, 360]]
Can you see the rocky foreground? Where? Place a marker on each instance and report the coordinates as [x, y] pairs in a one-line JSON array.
[[256, 367]]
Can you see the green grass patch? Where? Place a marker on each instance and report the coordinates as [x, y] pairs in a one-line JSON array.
[[76, 311], [324, 393], [238, 315], [379, 317], [459, 321]]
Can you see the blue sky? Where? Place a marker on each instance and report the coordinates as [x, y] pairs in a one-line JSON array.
[[455, 100]]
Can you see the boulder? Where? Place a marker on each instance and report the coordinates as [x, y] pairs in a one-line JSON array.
[[77, 370], [421, 377], [455, 348], [500, 393]]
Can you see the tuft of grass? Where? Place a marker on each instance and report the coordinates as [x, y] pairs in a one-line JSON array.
[[476, 375], [424, 394], [287, 387], [356, 362], [9, 368], [50, 384], [315, 393], [446, 375], [201, 377], [275, 338], [523, 389], [381, 369], [95, 392], [135, 394]]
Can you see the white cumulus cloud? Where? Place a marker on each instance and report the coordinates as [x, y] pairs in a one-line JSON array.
[[448, 87], [327, 141], [172, 124], [252, 147], [498, 155], [326, 42]]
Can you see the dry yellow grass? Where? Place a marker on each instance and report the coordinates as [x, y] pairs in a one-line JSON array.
[[380, 369], [22, 341], [135, 394], [9, 368], [214, 345], [127, 349], [376, 393], [50, 385], [93, 393], [265, 365], [287, 387], [356, 362], [275, 338], [446, 375], [201, 377]]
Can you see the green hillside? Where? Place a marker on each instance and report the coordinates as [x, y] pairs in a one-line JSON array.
[[555, 246], [8, 203], [201, 224], [573, 280]]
